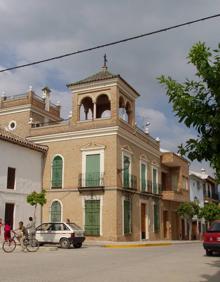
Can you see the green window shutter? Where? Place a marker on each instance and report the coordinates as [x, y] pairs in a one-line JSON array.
[[92, 217], [127, 217], [156, 217], [126, 173], [93, 170], [174, 182], [56, 212], [155, 185], [57, 172], [143, 177]]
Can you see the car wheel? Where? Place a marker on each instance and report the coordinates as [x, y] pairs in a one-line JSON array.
[[208, 253], [77, 245], [65, 243]]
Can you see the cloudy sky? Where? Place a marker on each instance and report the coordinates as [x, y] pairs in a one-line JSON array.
[[33, 30]]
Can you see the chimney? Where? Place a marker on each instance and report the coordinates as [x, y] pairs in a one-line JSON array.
[[203, 170], [46, 96], [146, 128]]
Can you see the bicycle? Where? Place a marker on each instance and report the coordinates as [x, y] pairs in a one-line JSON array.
[[30, 244]]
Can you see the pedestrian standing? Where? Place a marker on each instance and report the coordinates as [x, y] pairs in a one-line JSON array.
[[1, 226], [31, 228]]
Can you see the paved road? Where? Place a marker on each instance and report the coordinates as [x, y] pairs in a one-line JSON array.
[[179, 263]]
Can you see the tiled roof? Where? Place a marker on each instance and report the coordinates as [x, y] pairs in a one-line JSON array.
[[10, 137], [101, 75], [104, 74]]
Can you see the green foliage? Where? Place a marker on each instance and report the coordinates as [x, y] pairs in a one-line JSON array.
[[210, 212], [37, 198], [197, 105], [188, 210]]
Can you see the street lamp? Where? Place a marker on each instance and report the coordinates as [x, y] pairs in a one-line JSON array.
[[126, 165]]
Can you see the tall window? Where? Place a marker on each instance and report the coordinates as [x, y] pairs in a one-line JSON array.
[[55, 212], [155, 180], [127, 216], [174, 181], [11, 178], [93, 170], [57, 172], [126, 171], [143, 177]]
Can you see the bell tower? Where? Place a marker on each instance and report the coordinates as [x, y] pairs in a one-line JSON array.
[[102, 99]]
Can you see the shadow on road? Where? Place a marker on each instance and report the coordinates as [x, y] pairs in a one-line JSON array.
[[215, 277]]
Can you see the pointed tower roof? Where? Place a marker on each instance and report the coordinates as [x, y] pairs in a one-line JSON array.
[[104, 74]]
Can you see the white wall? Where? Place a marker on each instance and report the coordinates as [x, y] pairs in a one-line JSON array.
[[28, 178], [195, 191]]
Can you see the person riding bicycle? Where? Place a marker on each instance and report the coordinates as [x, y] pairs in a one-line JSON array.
[[30, 227], [21, 233], [7, 231]]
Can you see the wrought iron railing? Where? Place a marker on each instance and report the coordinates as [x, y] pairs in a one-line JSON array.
[[152, 188], [92, 180], [42, 124], [129, 181]]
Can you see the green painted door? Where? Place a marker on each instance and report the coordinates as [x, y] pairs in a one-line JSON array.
[[156, 217], [92, 217], [126, 173], [93, 170], [127, 217]]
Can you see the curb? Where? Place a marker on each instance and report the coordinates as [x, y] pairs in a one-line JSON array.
[[137, 245]]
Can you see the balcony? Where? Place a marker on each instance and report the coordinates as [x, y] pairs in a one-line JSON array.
[[153, 189], [129, 182], [91, 182], [176, 196], [212, 198]]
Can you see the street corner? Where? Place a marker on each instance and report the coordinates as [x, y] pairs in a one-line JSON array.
[[145, 245]]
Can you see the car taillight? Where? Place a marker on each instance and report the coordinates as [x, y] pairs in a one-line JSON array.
[[72, 235]]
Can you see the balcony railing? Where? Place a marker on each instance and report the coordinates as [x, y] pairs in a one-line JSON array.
[[91, 180], [129, 181], [152, 188], [215, 196]]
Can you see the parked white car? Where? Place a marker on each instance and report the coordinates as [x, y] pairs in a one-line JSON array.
[[62, 233]]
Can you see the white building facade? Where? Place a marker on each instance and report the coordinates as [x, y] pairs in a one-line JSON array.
[[21, 168], [196, 189]]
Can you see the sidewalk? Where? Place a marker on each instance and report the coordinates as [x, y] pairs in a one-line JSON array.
[[136, 244]]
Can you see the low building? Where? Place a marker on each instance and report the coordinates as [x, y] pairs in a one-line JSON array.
[[175, 190], [203, 190], [21, 170]]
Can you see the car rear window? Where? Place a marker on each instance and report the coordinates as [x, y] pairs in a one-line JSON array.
[[74, 226], [215, 227]]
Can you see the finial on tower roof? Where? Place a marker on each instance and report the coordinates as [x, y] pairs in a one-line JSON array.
[[105, 63]]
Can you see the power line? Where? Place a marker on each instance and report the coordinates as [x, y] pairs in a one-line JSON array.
[[109, 44]]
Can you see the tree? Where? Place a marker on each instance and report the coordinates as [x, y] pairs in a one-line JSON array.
[[37, 198], [197, 104], [210, 212], [188, 210]]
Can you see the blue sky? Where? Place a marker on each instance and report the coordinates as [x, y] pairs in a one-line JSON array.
[[41, 29]]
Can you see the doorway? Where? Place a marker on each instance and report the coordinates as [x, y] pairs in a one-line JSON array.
[[143, 221], [165, 225], [9, 214]]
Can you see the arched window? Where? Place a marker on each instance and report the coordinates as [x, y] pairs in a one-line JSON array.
[[121, 110], [55, 212], [86, 109], [103, 106], [57, 172], [128, 112]]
